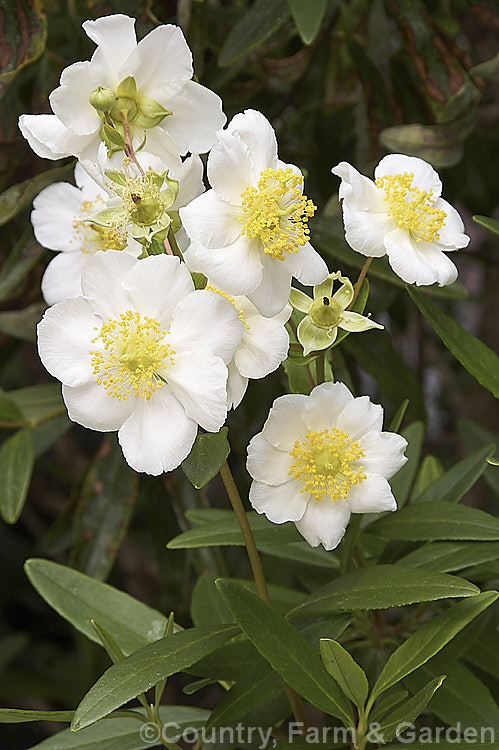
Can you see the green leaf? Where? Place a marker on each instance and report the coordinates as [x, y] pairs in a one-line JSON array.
[[104, 510], [24, 32], [227, 532], [433, 521], [21, 324], [386, 702], [450, 556], [473, 354], [483, 653], [308, 16], [80, 599], [394, 425], [9, 412], [38, 402], [474, 436], [456, 482], [344, 669], [286, 650], [441, 145], [209, 452], [123, 733], [429, 639], [401, 483], [21, 715], [18, 196], [429, 471], [144, 668], [22, 258], [381, 587], [397, 722], [16, 467], [261, 20], [488, 223]]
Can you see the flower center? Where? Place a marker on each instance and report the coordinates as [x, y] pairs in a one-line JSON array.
[[325, 462], [232, 301], [92, 237], [142, 199], [412, 208], [325, 312], [277, 212], [135, 356]]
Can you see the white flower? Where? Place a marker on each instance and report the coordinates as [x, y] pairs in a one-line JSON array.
[[58, 223], [402, 215], [150, 82], [144, 354], [320, 458], [249, 233], [263, 347]]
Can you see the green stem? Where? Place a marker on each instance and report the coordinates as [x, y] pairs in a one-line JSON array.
[[249, 541], [358, 283], [320, 368], [295, 701]]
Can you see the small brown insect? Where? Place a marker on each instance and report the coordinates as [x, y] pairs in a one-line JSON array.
[[136, 198]]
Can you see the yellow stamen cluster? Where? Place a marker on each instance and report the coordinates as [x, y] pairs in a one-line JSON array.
[[277, 212], [134, 354], [325, 463], [232, 301], [412, 208], [92, 237]]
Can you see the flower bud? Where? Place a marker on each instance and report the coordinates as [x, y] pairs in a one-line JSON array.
[[102, 99]]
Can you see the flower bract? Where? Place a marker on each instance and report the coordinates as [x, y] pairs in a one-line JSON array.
[[402, 215], [249, 233], [320, 458], [136, 359]]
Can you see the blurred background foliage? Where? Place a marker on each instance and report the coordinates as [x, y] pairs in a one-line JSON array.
[[339, 80]]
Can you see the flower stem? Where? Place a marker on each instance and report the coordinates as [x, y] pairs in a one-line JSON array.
[[295, 701], [249, 541], [320, 368], [129, 150], [358, 283]]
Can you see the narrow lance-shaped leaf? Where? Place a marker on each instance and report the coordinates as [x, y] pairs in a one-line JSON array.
[[146, 667], [308, 16], [429, 639], [396, 722], [16, 466], [473, 354], [208, 453], [459, 479], [285, 650], [348, 674]]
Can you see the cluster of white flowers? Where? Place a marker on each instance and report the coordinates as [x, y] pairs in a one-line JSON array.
[[139, 349]]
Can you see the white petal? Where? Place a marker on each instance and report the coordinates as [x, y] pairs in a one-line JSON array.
[[190, 181], [230, 168], [90, 189], [54, 211], [115, 37], [237, 268], [92, 407], [285, 423], [273, 292], [65, 336], [62, 277], [160, 143], [364, 230], [160, 57], [325, 404], [266, 463], [211, 221], [50, 138], [360, 416], [306, 265], [264, 346], [156, 285], [280, 504], [236, 386], [197, 115], [384, 453], [324, 522], [101, 282], [425, 177], [452, 233], [70, 101], [373, 495], [418, 262], [259, 136], [158, 435], [198, 381], [206, 321], [361, 190]]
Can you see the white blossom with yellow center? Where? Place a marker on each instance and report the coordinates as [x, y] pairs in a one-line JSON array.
[[59, 223], [149, 81], [402, 215], [320, 458], [131, 358], [249, 233]]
